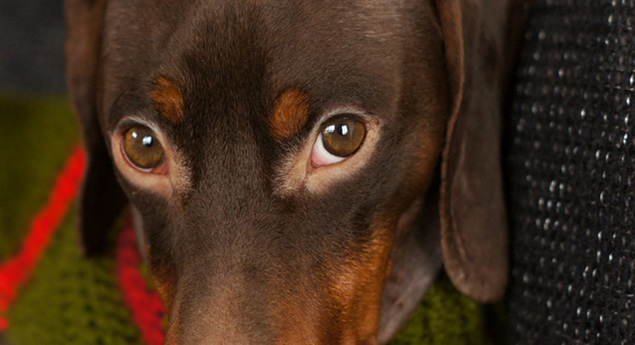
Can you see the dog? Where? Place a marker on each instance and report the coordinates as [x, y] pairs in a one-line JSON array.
[[298, 171]]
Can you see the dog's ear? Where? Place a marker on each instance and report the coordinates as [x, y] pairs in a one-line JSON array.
[[473, 222], [101, 198]]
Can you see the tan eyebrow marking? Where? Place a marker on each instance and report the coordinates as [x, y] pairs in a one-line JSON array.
[[168, 100], [290, 113]]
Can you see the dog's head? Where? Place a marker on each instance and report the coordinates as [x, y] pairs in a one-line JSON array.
[[282, 158]]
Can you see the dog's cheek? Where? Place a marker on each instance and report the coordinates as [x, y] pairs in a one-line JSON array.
[[163, 275], [163, 272], [420, 163], [157, 244], [357, 286]]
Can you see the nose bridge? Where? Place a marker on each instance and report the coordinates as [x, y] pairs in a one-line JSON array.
[[248, 287], [248, 276], [231, 177], [239, 295], [220, 304]]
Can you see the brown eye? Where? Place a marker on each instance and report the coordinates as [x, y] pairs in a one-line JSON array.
[[142, 147], [342, 136]]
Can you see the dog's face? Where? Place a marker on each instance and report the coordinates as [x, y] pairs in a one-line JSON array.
[[273, 153]]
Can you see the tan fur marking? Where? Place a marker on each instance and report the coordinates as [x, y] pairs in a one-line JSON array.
[[357, 288], [290, 113], [168, 100]]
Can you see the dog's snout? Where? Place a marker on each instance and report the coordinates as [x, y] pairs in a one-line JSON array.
[[217, 308], [237, 310], [263, 301]]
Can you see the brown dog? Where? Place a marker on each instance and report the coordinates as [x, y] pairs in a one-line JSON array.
[[281, 158]]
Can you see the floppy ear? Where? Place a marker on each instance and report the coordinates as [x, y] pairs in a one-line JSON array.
[[101, 198], [473, 223]]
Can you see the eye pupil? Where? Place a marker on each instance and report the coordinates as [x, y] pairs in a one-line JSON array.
[[342, 135], [343, 129], [147, 141], [140, 149]]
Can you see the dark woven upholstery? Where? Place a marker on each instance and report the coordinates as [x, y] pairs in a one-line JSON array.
[[570, 160]]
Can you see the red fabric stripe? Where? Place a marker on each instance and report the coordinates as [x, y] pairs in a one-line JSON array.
[[18, 269], [145, 304]]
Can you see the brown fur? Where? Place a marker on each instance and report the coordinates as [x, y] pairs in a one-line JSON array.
[[357, 286], [247, 241]]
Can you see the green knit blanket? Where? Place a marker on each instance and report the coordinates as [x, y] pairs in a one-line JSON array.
[[70, 299]]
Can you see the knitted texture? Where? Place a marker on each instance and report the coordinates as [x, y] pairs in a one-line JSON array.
[[144, 302], [70, 299], [447, 317], [571, 164], [35, 140], [17, 270]]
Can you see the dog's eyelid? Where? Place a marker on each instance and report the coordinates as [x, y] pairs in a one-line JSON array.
[[349, 111], [370, 119], [130, 121]]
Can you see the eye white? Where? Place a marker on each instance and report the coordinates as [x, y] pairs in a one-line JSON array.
[[320, 156]]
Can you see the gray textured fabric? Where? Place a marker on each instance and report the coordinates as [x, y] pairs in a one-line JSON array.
[[570, 168], [31, 46]]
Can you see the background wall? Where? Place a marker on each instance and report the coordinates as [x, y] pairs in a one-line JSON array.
[[32, 46]]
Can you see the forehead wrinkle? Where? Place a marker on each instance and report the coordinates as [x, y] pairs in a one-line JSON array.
[[290, 113], [167, 99]]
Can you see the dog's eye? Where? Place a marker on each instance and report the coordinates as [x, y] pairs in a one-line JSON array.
[[340, 137], [142, 147]]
